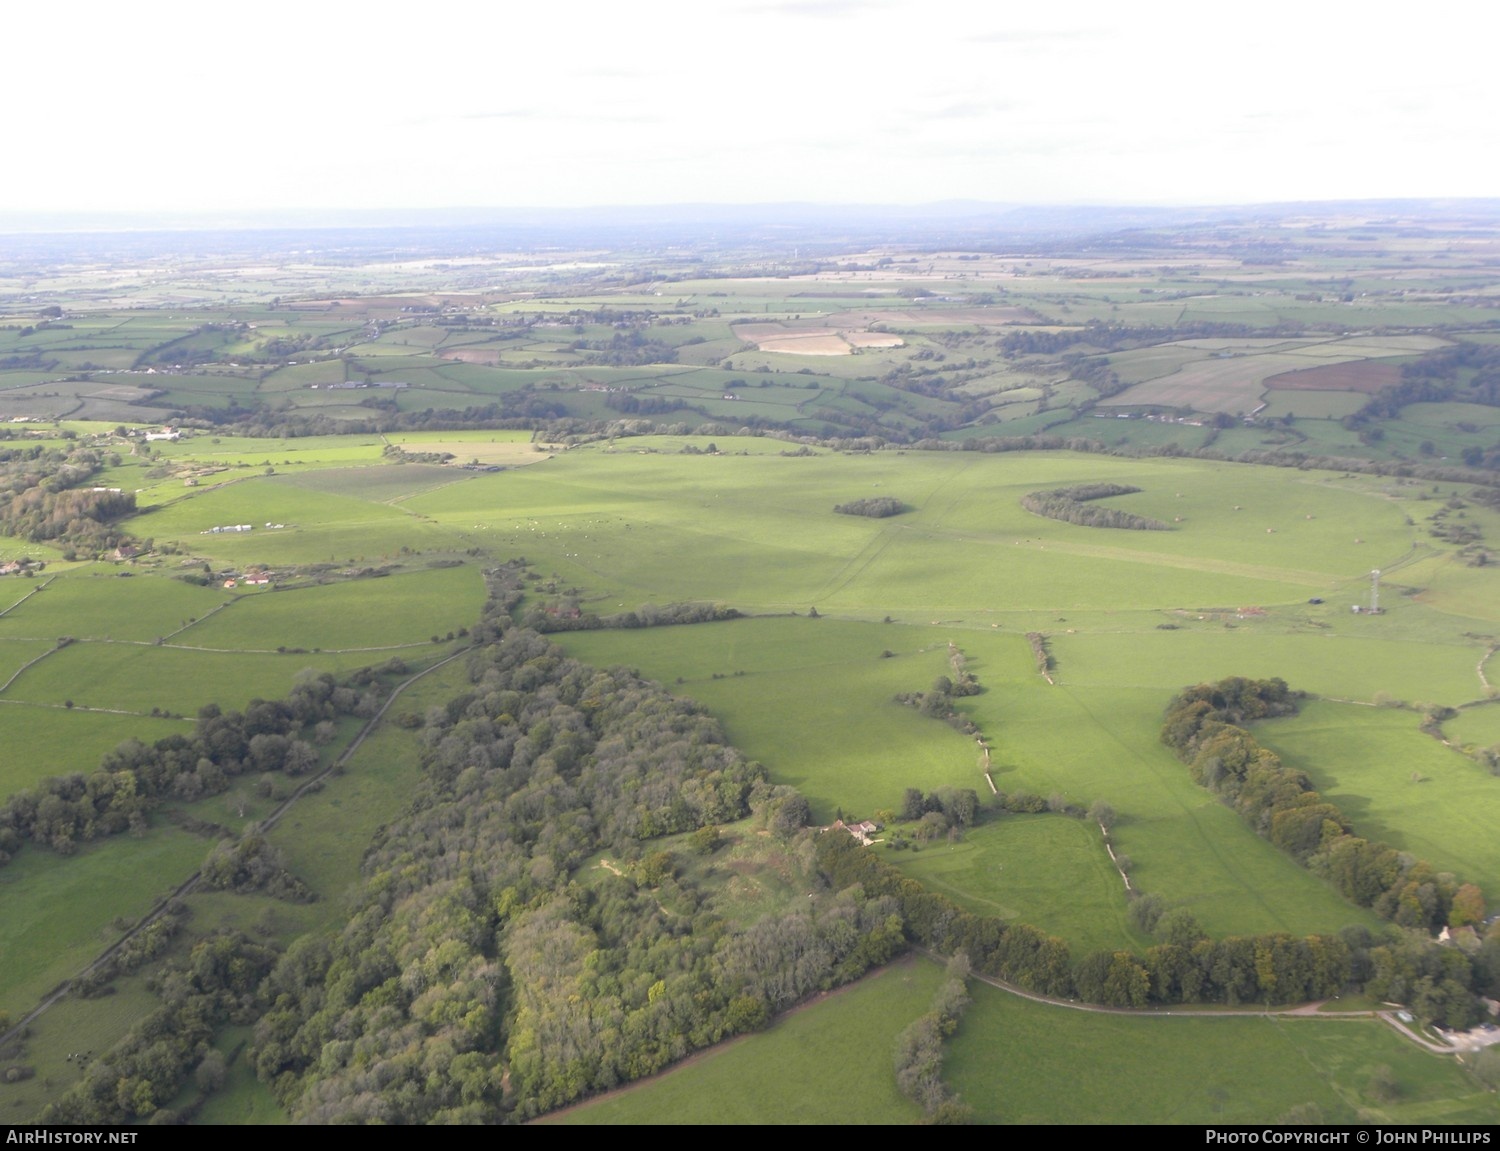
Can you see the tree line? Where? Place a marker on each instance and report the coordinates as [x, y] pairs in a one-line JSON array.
[[566, 615], [1071, 505], [1439, 983], [919, 1049], [133, 779], [1203, 727]]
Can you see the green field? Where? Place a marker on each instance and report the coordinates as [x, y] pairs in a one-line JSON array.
[[139, 677], [1046, 870], [761, 534], [843, 1042], [1340, 659], [1020, 1062], [97, 602], [1397, 785], [1478, 725], [364, 614], [58, 910], [812, 699], [317, 526], [58, 741]]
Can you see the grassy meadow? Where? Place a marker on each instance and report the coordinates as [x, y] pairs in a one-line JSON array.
[[1019, 1062], [759, 531], [364, 614], [59, 911], [1046, 870], [842, 1042], [1397, 784]]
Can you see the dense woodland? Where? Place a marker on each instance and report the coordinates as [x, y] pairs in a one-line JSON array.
[[41, 499], [476, 946]]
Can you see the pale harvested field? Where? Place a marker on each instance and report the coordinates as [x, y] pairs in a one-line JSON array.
[[807, 345], [1394, 345], [472, 355], [812, 341], [510, 455], [757, 333], [960, 317], [123, 392]]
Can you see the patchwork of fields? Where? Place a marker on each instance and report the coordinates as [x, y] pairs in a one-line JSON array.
[[345, 449]]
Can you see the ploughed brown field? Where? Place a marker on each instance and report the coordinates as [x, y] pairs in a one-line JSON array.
[[1355, 376]]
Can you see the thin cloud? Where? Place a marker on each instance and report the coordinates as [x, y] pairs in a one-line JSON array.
[[966, 110], [549, 115], [610, 72], [1028, 36], [504, 114], [820, 9]]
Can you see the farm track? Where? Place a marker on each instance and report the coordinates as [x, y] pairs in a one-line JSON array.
[[1311, 1010], [96, 710], [198, 491], [267, 650], [872, 551], [856, 566], [190, 884], [397, 501]]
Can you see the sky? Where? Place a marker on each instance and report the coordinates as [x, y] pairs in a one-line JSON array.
[[165, 106]]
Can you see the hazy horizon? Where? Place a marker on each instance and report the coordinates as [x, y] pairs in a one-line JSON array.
[[169, 108]]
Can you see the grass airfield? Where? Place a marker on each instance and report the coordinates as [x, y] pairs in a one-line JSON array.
[[758, 531], [1217, 596]]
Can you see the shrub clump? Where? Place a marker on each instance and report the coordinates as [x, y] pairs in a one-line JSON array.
[[876, 508]]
